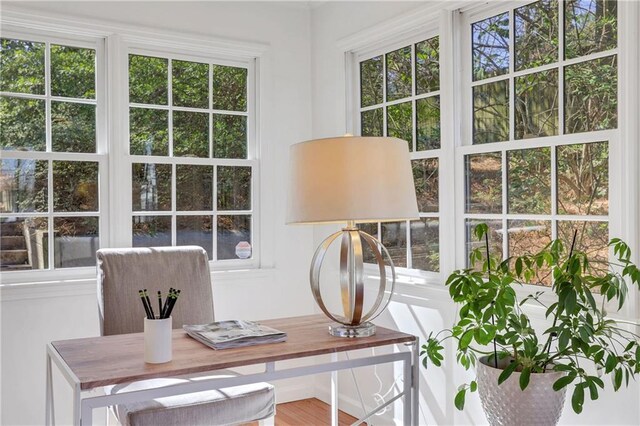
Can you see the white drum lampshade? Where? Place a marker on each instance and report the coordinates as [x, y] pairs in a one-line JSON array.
[[352, 180]]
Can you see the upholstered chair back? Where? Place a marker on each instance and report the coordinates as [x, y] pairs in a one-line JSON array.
[[122, 272]]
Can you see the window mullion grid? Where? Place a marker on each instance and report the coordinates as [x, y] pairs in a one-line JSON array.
[[414, 110], [214, 219], [511, 79], [48, 149], [505, 209], [561, 117], [554, 193]]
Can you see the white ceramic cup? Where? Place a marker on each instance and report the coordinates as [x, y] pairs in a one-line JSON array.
[[157, 340]]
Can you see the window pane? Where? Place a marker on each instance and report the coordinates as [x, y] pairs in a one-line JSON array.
[[21, 66], [229, 136], [73, 72], [194, 187], [529, 237], [190, 134], [427, 66], [496, 234], [491, 112], [394, 238], [372, 123], [428, 123], [229, 88], [425, 248], [591, 95], [73, 127], [75, 241], [371, 81], [399, 122], [148, 131], [529, 181], [148, 80], [190, 84], [234, 188], [75, 186], [22, 124], [592, 239], [399, 74], [195, 231], [24, 243], [151, 187], [590, 26], [234, 237], [483, 183], [537, 104], [583, 179], [490, 46], [371, 229], [151, 231], [425, 178], [536, 34], [23, 186]]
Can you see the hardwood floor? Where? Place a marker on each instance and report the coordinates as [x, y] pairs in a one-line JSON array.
[[307, 412]]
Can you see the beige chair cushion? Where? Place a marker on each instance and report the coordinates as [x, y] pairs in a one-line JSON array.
[[235, 405]]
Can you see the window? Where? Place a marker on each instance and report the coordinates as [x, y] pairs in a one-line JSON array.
[[399, 93], [53, 161], [542, 115], [192, 172]]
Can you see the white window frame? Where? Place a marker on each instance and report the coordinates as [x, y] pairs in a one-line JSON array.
[[466, 146], [376, 43], [251, 160], [112, 137], [100, 156], [624, 153]]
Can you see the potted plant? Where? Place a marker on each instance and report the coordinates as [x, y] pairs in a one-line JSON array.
[[523, 373]]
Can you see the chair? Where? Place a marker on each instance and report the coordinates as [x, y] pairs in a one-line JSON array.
[[121, 273]]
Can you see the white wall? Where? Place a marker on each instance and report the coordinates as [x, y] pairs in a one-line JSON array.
[[415, 309], [31, 318]]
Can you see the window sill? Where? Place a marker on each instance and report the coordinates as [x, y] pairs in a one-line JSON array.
[[82, 281]]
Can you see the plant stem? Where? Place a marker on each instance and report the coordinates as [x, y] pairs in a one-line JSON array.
[[547, 346], [493, 319]]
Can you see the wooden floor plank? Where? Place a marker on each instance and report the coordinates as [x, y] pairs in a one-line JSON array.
[[308, 412]]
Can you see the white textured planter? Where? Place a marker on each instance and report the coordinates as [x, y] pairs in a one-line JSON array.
[[507, 405]]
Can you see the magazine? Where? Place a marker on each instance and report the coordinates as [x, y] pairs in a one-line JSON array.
[[234, 334]]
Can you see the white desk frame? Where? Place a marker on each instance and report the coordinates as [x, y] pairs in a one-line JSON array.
[[83, 404]]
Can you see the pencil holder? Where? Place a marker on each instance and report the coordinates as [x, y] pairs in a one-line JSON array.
[[157, 340]]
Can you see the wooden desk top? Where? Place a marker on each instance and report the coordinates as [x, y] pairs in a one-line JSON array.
[[108, 360]]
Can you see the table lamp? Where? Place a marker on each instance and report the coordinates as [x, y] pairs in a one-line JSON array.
[[352, 180]]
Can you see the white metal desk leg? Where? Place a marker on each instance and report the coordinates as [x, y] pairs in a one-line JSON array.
[[415, 395], [77, 405], [49, 411], [86, 416], [334, 392], [407, 388]]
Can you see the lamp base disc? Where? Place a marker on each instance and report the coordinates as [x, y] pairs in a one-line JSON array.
[[365, 329]]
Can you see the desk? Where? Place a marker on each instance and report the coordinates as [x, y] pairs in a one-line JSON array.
[[91, 363]]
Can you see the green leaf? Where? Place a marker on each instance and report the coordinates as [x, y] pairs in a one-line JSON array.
[[577, 399], [562, 382], [570, 302], [507, 372], [465, 340], [473, 386], [593, 391], [459, 399], [617, 379], [524, 377]]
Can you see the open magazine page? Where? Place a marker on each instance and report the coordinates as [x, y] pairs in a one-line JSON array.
[[234, 333]]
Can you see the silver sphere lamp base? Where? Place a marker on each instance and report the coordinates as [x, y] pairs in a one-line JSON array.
[[354, 322], [365, 329]]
